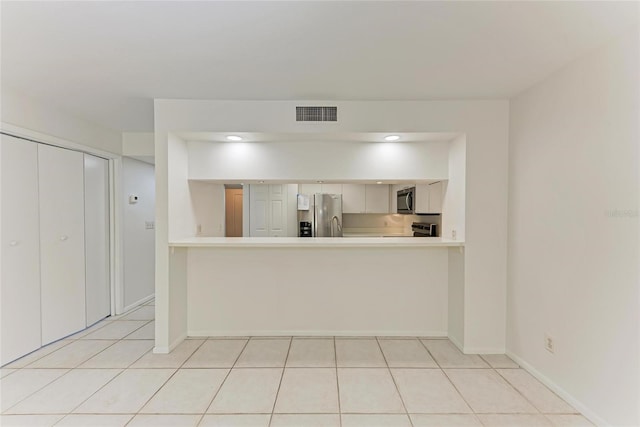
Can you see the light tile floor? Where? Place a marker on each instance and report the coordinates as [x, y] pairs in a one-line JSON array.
[[107, 376]]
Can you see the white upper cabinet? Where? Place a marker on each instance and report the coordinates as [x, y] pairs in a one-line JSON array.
[[20, 240], [365, 198], [331, 188], [377, 198], [310, 189], [353, 198], [429, 197], [436, 192], [422, 198]]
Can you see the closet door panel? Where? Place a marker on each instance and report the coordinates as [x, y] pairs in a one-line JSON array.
[[20, 252], [61, 184], [96, 228]]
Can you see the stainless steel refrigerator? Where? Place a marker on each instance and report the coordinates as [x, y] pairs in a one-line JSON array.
[[327, 215]]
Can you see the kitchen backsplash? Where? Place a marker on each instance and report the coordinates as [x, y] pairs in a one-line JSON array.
[[391, 222]]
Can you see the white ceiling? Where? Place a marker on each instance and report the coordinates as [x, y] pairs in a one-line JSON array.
[[106, 61]]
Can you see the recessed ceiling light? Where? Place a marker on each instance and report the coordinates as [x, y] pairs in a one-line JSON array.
[[392, 137], [378, 182], [234, 138]]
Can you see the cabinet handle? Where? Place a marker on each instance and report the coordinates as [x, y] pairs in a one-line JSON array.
[[13, 243], [63, 238]]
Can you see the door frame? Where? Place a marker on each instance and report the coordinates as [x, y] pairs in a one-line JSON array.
[[116, 208]]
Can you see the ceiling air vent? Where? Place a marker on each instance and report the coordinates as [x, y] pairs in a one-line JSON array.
[[316, 114]]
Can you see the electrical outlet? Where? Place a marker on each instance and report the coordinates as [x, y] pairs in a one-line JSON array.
[[149, 225], [454, 234], [549, 345], [199, 229]]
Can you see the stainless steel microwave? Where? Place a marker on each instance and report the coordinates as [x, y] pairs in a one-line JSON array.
[[406, 201]]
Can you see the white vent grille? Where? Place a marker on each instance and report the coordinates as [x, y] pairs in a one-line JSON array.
[[316, 114]]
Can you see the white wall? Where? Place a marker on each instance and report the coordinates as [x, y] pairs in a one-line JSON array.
[[485, 124], [573, 264], [207, 199], [328, 160], [138, 145], [138, 242], [453, 205], [180, 203], [31, 114]]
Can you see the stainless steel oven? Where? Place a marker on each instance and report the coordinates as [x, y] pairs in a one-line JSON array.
[[406, 201]]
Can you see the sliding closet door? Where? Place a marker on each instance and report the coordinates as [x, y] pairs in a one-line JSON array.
[[20, 253], [96, 227], [61, 184]]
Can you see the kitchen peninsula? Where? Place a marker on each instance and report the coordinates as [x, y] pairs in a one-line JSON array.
[[351, 285], [317, 286]]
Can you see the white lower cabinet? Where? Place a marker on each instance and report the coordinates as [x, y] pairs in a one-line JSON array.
[[62, 254], [20, 251]]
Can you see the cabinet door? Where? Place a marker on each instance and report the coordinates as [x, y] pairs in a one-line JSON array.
[[309, 189], [353, 198], [377, 198], [422, 198], [331, 188], [96, 228], [435, 197], [62, 263], [20, 278]]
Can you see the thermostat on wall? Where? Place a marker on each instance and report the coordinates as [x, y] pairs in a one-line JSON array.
[[133, 199]]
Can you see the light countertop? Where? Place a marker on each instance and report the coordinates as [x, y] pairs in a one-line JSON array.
[[315, 242]]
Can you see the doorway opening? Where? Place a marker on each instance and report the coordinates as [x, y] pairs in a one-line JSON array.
[[233, 210]]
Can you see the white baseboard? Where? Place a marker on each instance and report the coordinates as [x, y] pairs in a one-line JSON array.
[[475, 350], [137, 303], [280, 333], [456, 343], [483, 350], [584, 410], [168, 349]]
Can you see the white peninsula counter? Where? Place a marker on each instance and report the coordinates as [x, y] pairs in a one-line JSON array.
[[316, 286], [314, 242]]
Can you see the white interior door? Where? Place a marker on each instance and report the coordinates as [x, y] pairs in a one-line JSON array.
[[20, 249], [259, 210], [96, 229], [62, 263], [278, 210]]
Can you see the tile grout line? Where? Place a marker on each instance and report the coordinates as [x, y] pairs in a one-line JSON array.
[[473, 412], [68, 370], [280, 383], [386, 362], [167, 380], [123, 370], [223, 381], [335, 361], [58, 378]]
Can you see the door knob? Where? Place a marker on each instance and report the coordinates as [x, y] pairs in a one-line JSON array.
[[63, 238], [13, 243]]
